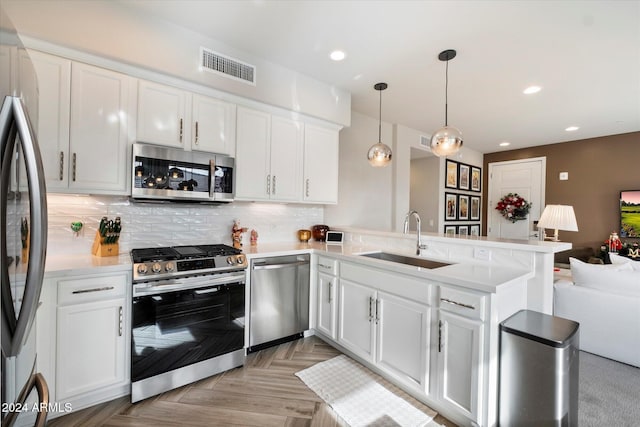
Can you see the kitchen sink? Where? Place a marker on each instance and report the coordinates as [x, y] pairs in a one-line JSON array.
[[407, 260]]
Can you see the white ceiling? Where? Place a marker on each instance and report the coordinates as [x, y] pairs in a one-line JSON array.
[[584, 54]]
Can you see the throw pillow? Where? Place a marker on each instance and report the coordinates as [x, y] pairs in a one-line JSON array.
[[619, 259], [610, 277]]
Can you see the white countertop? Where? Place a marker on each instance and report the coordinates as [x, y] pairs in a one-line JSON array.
[[479, 276]]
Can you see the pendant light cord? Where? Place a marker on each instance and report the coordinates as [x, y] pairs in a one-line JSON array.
[[380, 119], [446, 93]]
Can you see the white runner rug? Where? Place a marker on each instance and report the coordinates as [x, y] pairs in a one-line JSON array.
[[356, 395]]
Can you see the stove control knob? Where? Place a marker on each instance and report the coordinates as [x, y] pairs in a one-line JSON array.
[[169, 267], [156, 268], [240, 259], [143, 269], [230, 260]]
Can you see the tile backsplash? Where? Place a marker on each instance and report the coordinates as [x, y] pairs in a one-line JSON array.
[[166, 224]]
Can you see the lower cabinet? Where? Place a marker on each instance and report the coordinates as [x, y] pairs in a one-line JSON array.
[[89, 356], [327, 298]]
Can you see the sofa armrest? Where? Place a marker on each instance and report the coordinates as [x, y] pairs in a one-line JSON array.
[[609, 322]]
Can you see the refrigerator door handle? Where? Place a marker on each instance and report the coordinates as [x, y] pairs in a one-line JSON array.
[[14, 118], [38, 382]]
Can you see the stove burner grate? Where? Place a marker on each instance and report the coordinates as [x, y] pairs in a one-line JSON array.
[[153, 254]]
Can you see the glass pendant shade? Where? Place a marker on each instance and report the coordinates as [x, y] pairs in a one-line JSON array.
[[446, 141], [379, 155]]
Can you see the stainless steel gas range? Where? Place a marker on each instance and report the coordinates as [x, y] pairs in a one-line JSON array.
[[188, 315]]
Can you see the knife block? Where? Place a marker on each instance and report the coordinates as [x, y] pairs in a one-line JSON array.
[[103, 249]]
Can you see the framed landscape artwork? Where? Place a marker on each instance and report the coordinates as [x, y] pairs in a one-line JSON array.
[[476, 179], [475, 208], [463, 207], [474, 230], [451, 178], [450, 206], [463, 176], [450, 230]]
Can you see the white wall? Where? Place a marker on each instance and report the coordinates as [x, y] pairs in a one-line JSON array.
[[364, 192], [111, 30], [424, 191]]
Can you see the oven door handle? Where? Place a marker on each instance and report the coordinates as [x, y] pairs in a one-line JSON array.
[[164, 286]]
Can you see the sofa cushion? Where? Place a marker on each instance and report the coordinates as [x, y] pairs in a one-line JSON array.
[[619, 259], [611, 277]]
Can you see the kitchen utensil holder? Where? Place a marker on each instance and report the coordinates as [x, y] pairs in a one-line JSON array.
[[104, 249]]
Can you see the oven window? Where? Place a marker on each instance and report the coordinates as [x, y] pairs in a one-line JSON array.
[[176, 329], [161, 174]]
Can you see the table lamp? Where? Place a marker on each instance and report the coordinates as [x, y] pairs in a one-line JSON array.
[[558, 217]]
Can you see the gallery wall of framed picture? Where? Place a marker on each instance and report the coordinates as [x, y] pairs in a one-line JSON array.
[[464, 202]]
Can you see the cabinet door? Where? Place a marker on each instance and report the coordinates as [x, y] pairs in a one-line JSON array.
[[100, 119], [51, 114], [214, 126], [91, 347], [460, 363], [327, 292], [403, 339], [320, 165], [253, 180], [286, 159], [356, 330], [162, 115]]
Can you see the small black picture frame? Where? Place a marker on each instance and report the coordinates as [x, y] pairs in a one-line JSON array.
[[464, 172], [463, 230], [463, 207], [450, 230], [474, 208], [450, 206], [476, 179], [451, 174], [474, 230]]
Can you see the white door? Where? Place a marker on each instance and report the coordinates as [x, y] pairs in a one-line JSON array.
[[527, 179], [253, 145], [214, 126], [357, 327], [320, 165], [327, 304], [162, 114], [286, 158]]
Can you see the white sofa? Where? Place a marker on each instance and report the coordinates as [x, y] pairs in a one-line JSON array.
[[605, 300]]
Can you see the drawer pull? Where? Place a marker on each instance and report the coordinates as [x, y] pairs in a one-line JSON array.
[[328, 267], [84, 291], [457, 303], [61, 165]]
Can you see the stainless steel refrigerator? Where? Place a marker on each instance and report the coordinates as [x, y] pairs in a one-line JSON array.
[[24, 234]]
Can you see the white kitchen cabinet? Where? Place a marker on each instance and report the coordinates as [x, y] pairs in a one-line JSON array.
[[461, 364], [177, 118], [320, 165], [268, 156], [327, 301], [84, 125], [93, 333], [384, 328]]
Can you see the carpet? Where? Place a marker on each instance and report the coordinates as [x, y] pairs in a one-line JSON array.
[[357, 395], [609, 393]]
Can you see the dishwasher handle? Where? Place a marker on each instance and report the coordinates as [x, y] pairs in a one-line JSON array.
[[281, 265]]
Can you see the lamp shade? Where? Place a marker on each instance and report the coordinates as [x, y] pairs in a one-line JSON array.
[[558, 217]]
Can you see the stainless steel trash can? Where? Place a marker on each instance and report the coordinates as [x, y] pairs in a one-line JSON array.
[[539, 365]]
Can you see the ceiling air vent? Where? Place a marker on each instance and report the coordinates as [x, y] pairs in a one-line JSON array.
[[226, 66], [425, 141]]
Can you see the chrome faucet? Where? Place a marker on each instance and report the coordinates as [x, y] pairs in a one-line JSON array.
[[419, 245]]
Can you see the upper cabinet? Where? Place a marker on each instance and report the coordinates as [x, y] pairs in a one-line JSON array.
[[177, 118], [268, 157], [84, 120], [320, 165]]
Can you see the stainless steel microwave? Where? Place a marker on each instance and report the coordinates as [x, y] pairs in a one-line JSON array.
[[161, 173]]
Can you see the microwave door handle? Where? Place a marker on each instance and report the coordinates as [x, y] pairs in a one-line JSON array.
[[212, 178], [38, 217]]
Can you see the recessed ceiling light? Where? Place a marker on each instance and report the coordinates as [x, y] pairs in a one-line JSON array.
[[337, 55], [572, 128], [504, 144], [532, 89]]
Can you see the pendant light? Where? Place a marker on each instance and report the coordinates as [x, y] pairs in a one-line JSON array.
[[446, 140], [379, 154]]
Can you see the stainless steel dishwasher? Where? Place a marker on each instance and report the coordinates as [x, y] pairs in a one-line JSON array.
[[279, 300]]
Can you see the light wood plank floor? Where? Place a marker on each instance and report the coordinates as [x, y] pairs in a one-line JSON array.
[[264, 392]]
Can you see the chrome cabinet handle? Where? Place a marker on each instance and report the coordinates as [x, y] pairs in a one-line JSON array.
[[370, 309], [74, 166], [330, 292], [269, 184], [273, 187], [449, 301], [307, 188], [328, 267], [180, 131], [439, 336], [196, 133], [120, 322], [61, 165], [84, 291], [377, 311]]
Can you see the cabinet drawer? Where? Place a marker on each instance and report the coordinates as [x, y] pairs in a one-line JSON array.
[[328, 266], [92, 288], [464, 303]]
